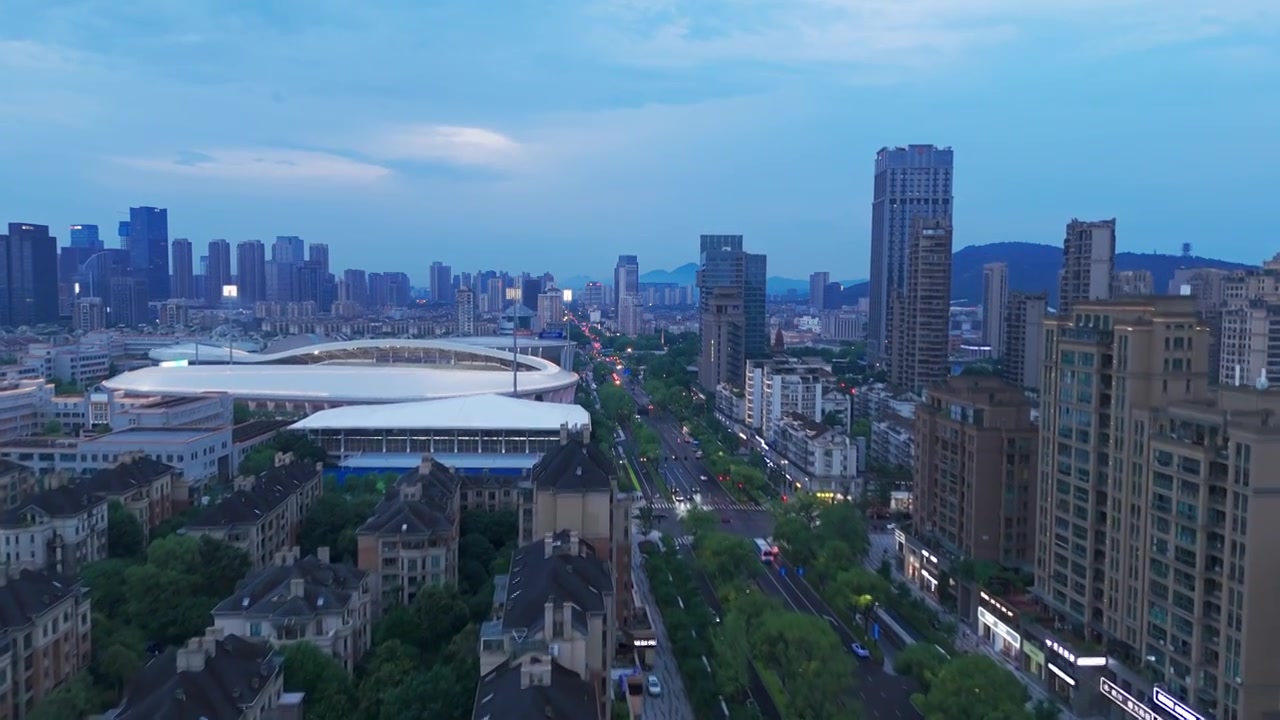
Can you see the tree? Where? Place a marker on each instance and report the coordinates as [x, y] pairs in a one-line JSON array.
[[616, 404], [476, 556], [105, 579], [847, 523], [920, 661], [441, 613], [698, 521], [126, 537], [731, 653], [857, 589], [808, 657], [117, 651], [750, 479], [389, 666], [76, 699], [168, 598], [974, 687], [1045, 710], [332, 522], [797, 539], [861, 428], [241, 413], [725, 558], [307, 668], [53, 427], [645, 515]]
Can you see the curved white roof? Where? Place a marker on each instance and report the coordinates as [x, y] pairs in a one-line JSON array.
[[495, 345], [336, 383], [485, 412]]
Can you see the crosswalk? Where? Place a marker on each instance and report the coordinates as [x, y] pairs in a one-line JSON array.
[[684, 541], [714, 505]]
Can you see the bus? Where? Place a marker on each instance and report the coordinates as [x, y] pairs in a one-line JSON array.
[[768, 551]]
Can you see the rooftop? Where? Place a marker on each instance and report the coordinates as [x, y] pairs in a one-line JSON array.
[[271, 592], [127, 476], [27, 594], [574, 466], [60, 502], [504, 693], [422, 502], [457, 461], [254, 429], [230, 674], [153, 435], [556, 569], [270, 490], [479, 412]]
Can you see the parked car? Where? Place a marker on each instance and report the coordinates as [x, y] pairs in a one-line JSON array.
[[654, 686], [860, 651]]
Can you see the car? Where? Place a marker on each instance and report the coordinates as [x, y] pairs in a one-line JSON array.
[[703, 477], [725, 519], [654, 686], [860, 651], [715, 617]]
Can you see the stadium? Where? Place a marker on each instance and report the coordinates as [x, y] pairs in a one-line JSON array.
[[325, 375]]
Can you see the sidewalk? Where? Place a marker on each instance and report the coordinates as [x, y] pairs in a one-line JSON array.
[[968, 641]]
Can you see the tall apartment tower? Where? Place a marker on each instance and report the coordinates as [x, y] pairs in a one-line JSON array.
[[251, 271], [440, 276], [1207, 286], [910, 183], [630, 315], [318, 255], [149, 249], [550, 312], [922, 310], [1088, 260], [357, 285], [218, 273], [289, 249], [976, 470], [1023, 360], [731, 310], [626, 278], [86, 236], [28, 275], [465, 306], [995, 299], [818, 282], [182, 284], [1250, 324], [1132, 283]]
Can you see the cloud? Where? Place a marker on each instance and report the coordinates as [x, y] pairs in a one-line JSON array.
[[451, 144], [261, 165], [898, 33]]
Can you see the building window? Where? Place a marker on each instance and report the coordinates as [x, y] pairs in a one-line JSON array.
[[255, 629]]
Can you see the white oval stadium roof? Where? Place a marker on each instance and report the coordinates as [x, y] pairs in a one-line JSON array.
[[216, 354], [484, 412]]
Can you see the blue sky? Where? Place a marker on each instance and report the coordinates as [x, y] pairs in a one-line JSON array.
[[555, 134]]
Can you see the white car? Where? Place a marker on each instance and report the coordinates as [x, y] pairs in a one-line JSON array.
[[860, 651], [654, 686], [703, 477]]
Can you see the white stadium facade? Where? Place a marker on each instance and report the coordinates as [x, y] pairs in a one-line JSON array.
[[333, 374]]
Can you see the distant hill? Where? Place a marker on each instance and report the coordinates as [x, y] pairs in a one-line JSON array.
[[1034, 267], [687, 274]]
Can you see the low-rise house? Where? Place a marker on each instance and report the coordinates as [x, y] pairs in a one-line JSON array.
[[142, 485], [411, 541], [60, 529], [297, 599], [264, 512], [547, 651], [45, 637], [214, 677]]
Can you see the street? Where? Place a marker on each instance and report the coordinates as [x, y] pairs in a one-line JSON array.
[[673, 704]]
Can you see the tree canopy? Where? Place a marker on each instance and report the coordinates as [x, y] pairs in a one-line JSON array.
[[974, 687], [126, 538]]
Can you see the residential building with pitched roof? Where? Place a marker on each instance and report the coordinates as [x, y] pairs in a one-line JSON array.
[[45, 638]]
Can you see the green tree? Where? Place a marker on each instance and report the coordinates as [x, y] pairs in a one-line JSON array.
[[750, 479], [645, 515], [847, 523], [616, 404], [126, 537], [240, 413], [169, 597], [53, 427], [500, 527], [476, 556], [974, 687], [698, 521], [1045, 710], [796, 538], [105, 579], [117, 651], [76, 699], [390, 665], [861, 428], [441, 613], [731, 653], [725, 558], [328, 688], [921, 661], [856, 589], [332, 522], [810, 660]]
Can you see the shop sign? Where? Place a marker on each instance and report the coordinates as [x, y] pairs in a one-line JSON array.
[[1032, 652], [644, 642], [1171, 703], [1000, 628], [1127, 702], [996, 605]]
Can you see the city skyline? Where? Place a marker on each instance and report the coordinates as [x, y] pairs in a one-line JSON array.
[[648, 124]]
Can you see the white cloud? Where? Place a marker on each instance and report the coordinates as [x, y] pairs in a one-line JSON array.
[[899, 32], [452, 144], [261, 165]]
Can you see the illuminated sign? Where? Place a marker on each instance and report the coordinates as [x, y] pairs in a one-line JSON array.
[[230, 291], [173, 363], [1127, 702], [999, 628], [1170, 703], [644, 642], [997, 605], [1065, 677], [1072, 658]]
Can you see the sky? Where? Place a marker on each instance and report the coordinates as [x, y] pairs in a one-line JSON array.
[[556, 134]]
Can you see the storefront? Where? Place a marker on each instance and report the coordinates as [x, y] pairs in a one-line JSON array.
[[1032, 659], [996, 622], [919, 565], [1067, 670]]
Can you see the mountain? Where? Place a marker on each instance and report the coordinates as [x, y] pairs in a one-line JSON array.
[[686, 274]]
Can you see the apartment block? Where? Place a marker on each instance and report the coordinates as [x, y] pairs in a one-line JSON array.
[[1250, 325], [213, 677], [921, 311], [820, 459], [144, 486], [411, 541], [995, 301], [778, 387], [263, 513], [1132, 283], [17, 483], [25, 406], [893, 442], [976, 470], [1088, 261], [1023, 360], [60, 529], [297, 599], [545, 650], [1207, 286], [45, 637]]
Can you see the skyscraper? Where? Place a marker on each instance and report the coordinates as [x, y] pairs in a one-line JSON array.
[[28, 275], [910, 183], [550, 313], [1088, 260], [218, 272], [149, 249], [919, 345], [358, 285], [183, 284], [818, 289], [1023, 360], [995, 297], [626, 278], [289, 249], [318, 255], [86, 236], [465, 308], [441, 280], [731, 312], [251, 271]]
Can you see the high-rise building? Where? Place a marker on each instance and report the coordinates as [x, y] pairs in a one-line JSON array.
[[910, 183], [183, 282], [28, 275], [630, 315], [289, 249], [592, 296], [920, 342], [86, 236], [90, 313], [251, 271], [626, 278], [818, 282], [127, 304], [1207, 286], [318, 255], [217, 272], [1088, 260], [731, 310], [358, 285], [1023, 358], [530, 289], [149, 249], [494, 295], [440, 276], [465, 307], [550, 313], [995, 298], [976, 470], [1132, 283]]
